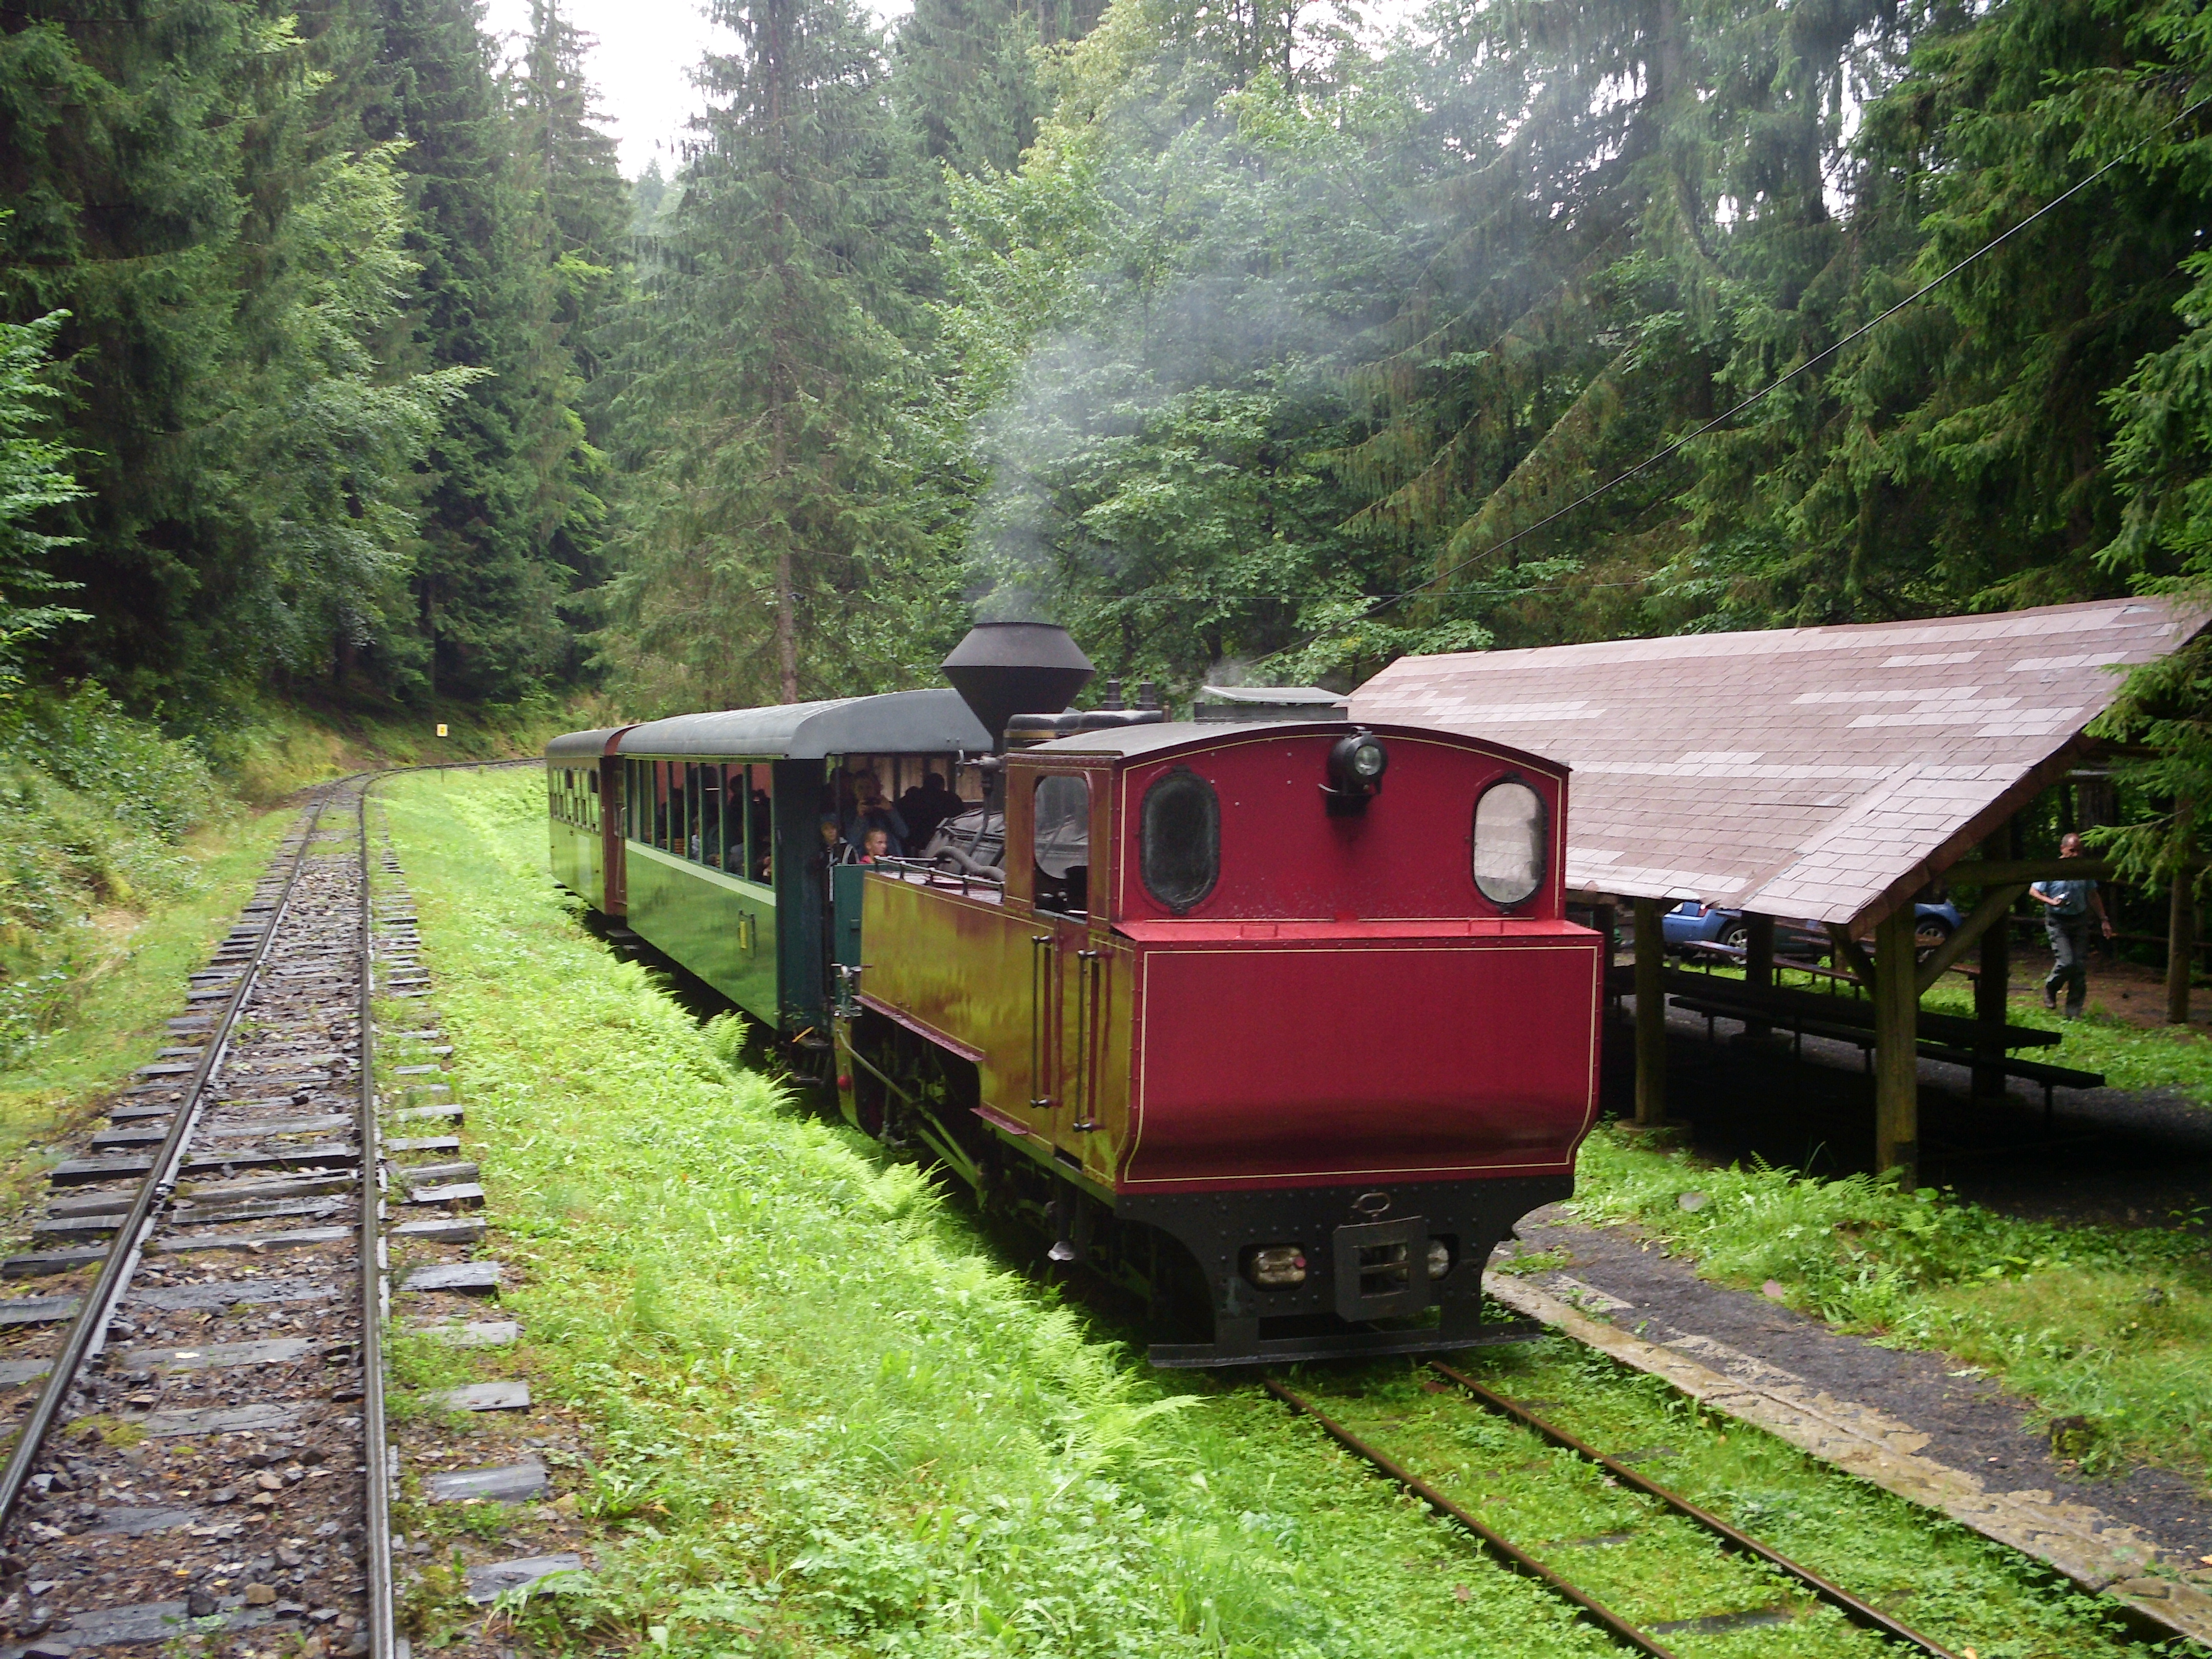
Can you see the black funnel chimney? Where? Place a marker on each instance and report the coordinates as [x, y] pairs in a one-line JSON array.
[[1009, 668]]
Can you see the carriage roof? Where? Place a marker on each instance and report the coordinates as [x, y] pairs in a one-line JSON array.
[[928, 722]]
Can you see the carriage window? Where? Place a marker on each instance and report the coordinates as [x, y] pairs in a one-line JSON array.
[[1179, 840], [710, 815], [760, 825], [1511, 843], [1060, 837]]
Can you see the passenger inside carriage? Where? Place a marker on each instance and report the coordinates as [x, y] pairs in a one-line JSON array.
[[872, 812], [924, 808], [710, 822]]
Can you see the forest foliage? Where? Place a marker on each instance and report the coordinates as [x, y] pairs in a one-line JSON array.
[[1249, 339]]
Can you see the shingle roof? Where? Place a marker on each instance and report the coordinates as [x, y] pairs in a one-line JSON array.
[[1821, 773]]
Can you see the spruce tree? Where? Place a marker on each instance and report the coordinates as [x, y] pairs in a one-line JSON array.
[[773, 549], [965, 82], [580, 216], [499, 481], [189, 182]]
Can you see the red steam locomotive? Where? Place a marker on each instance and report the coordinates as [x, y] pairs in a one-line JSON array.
[[1280, 1024]]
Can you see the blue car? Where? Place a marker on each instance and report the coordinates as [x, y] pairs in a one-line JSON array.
[[1692, 923]]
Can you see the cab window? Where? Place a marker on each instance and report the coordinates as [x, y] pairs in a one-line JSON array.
[[1179, 840], [1060, 838]]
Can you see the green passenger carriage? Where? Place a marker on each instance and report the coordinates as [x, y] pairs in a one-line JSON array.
[[701, 832]]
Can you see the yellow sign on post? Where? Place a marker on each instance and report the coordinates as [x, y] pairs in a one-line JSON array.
[[442, 730]]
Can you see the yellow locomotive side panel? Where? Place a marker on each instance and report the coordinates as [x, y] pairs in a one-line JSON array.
[[957, 971]]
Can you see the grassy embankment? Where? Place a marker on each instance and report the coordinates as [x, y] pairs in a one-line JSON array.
[[826, 1422]]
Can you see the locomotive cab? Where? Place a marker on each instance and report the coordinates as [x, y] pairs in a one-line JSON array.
[[1283, 1021]]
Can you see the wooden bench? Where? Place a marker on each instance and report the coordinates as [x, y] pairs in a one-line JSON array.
[[1862, 1036]]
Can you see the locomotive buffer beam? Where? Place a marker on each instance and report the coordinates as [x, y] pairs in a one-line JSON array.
[[1233, 1347]]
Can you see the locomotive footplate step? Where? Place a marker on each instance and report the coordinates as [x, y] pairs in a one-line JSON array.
[[1341, 1345]]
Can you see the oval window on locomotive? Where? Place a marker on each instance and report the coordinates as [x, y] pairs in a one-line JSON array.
[[1060, 838], [1179, 840], [1512, 842]]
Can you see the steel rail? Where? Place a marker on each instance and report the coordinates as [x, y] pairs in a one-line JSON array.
[[89, 1327], [376, 1456], [1859, 1612], [1510, 1553]]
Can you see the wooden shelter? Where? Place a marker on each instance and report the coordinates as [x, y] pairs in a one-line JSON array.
[[1822, 774]]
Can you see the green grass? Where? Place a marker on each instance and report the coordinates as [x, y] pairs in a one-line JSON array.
[[824, 1421], [267, 753], [125, 977], [2114, 1324]]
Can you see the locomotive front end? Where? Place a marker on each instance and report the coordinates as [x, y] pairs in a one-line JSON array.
[[1364, 1036], [1282, 1023]]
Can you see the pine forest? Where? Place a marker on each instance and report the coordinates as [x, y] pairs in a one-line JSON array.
[[341, 366]]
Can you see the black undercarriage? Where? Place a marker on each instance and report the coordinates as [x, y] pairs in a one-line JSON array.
[[1366, 1286]]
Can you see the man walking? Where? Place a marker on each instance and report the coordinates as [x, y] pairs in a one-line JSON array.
[[2068, 907]]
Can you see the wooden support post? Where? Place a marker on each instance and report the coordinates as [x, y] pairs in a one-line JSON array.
[[1847, 952], [1650, 1016], [1758, 968], [1897, 1054], [1992, 1005], [2180, 946], [2180, 926]]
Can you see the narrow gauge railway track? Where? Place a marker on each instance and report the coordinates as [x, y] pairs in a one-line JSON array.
[[197, 1436], [1769, 1570]]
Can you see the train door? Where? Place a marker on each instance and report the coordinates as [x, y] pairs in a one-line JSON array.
[[1067, 966], [613, 807]]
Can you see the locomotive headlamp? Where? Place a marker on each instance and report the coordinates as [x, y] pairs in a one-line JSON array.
[[1356, 766], [1276, 1267]]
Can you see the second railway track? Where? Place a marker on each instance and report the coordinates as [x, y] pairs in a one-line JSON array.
[[191, 1384], [1653, 1572]]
